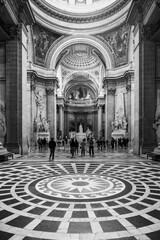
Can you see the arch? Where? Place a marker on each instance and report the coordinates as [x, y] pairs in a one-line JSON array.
[[69, 78], [56, 49]]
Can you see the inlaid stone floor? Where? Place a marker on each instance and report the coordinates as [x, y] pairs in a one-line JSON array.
[[111, 196]]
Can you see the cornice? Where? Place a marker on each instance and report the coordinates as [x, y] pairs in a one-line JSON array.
[[99, 16]]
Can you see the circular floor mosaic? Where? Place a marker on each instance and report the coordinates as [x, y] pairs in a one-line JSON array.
[[77, 200], [80, 186]]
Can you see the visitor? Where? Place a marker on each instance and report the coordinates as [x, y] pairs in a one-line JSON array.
[[91, 147], [83, 147], [52, 147], [39, 141], [72, 147], [76, 146], [112, 143]]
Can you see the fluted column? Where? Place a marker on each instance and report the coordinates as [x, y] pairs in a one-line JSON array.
[[61, 120], [52, 111], [100, 121], [106, 117]]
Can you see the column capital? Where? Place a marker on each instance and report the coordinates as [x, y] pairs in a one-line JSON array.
[[111, 91], [50, 91]]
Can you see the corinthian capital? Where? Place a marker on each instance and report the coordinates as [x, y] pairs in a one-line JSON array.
[[50, 91]]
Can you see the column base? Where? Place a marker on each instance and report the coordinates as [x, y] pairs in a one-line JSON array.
[[147, 147], [14, 148]]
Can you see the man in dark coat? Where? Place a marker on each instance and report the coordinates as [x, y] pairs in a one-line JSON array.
[[52, 146]]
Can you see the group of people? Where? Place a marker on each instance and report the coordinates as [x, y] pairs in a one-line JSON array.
[[119, 143], [74, 147], [42, 144]]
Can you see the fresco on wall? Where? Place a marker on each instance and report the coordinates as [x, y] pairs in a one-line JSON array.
[[80, 93], [42, 40], [118, 41]]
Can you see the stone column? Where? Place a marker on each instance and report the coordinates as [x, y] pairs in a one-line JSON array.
[[144, 52], [110, 110], [106, 116], [61, 115], [100, 120], [16, 94], [52, 111]]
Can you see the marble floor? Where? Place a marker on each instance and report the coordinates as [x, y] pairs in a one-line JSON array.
[[113, 195]]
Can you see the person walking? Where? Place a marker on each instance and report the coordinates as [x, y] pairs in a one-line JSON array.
[[72, 147], [91, 147], [76, 146], [83, 147], [52, 147]]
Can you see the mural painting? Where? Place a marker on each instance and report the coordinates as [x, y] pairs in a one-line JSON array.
[[42, 40], [119, 44]]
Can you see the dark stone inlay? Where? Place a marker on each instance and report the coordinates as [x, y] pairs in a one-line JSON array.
[[47, 226], [96, 205], [79, 227], [80, 206], [122, 210], [102, 213], [21, 206], [138, 206], [20, 221], [48, 204], [112, 204], [57, 213], [139, 221], [112, 226], [63, 205], [154, 235], [124, 200], [37, 210], [36, 200], [5, 235], [79, 214], [4, 214], [11, 201], [149, 201], [155, 213]]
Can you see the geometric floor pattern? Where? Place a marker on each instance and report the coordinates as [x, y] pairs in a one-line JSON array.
[[80, 200]]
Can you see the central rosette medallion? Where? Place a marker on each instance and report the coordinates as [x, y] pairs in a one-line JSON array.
[[80, 186]]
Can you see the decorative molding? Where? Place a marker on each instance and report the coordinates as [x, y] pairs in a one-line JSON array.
[[157, 2], [111, 91], [128, 88], [148, 31], [79, 19], [2, 2], [50, 91]]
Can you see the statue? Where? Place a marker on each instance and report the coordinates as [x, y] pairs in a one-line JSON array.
[[80, 128], [39, 99], [156, 125]]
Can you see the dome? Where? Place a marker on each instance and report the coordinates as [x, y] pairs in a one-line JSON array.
[[80, 56], [80, 6]]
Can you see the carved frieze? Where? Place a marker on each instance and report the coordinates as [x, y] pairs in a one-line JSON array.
[[79, 19]]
